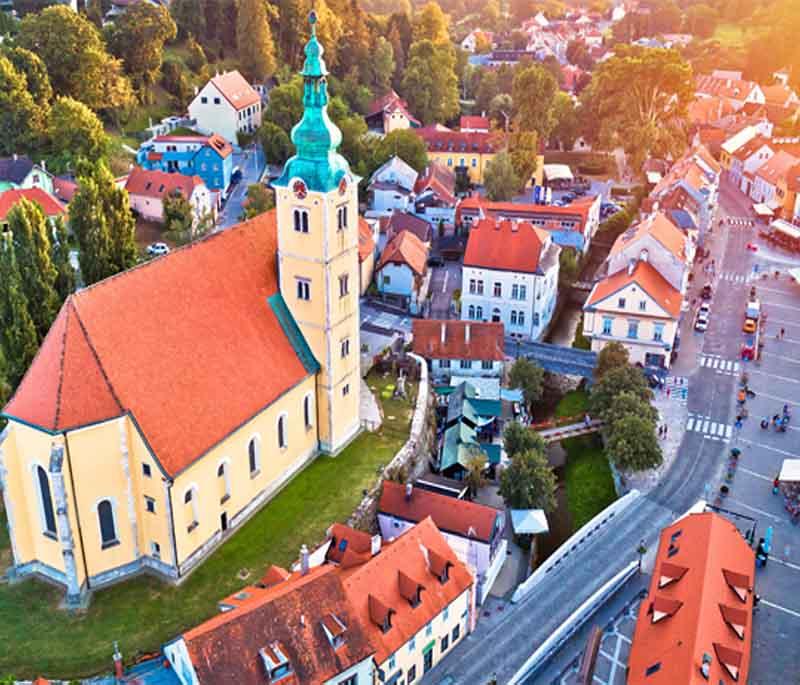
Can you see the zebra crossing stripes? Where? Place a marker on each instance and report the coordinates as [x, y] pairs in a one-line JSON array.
[[732, 277], [710, 429], [678, 388], [719, 365], [740, 221]]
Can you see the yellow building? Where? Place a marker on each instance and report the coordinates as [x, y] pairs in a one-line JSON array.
[[468, 150], [169, 403]]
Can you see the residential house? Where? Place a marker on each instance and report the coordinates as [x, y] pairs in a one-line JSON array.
[[147, 190], [209, 157], [735, 141], [748, 159], [474, 531], [572, 226], [390, 113], [366, 254], [782, 95], [787, 193], [18, 171], [391, 187], [465, 348], [235, 334], [64, 189], [402, 272], [510, 275], [769, 176], [401, 221], [474, 124], [736, 90], [461, 152], [435, 194], [227, 105], [49, 204], [704, 111], [776, 114], [470, 42], [572, 76], [695, 625]]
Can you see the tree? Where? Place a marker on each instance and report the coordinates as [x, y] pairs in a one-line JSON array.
[[196, 59], [31, 66], [430, 84], [612, 383], [137, 37], [632, 444], [65, 272], [259, 200], [518, 439], [358, 43], [285, 107], [524, 146], [500, 178], [482, 45], [5, 383], [77, 61], [176, 81], [405, 144], [529, 377], [639, 99], [488, 87], [475, 465], [30, 231], [578, 54], [254, 39], [75, 133], [275, 141], [702, 20], [567, 125], [178, 213], [534, 91], [379, 68], [17, 333], [490, 14], [21, 119], [430, 23], [628, 404], [567, 267], [500, 107], [529, 482], [667, 18], [189, 17], [614, 355]]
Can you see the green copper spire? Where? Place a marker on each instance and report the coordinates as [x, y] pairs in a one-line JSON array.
[[316, 138]]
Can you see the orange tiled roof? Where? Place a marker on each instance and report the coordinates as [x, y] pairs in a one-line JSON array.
[[485, 339], [579, 209], [648, 279], [700, 602], [438, 178], [346, 542], [451, 515], [405, 248], [778, 94], [660, 228], [751, 147], [49, 204], [476, 122], [390, 102], [777, 167], [459, 142], [215, 141], [736, 89], [185, 344], [153, 183], [708, 110], [418, 553], [366, 244], [793, 179], [235, 89], [503, 245]]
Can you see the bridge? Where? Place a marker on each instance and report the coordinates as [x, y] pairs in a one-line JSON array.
[[568, 361], [571, 430]]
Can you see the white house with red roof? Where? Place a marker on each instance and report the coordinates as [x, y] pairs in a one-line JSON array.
[[227, 105], [390, 113], [463, 348], [49, 204], [510, 275], [148, 188]]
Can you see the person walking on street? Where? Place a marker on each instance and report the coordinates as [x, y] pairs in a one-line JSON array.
[[783, 332], [665, 431]]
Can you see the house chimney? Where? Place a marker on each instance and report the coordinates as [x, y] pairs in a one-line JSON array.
[[14, 157], [643, 256], [466, 334], [302, 620], [43, 165], [304, 560], [118, 674], [375, 546], [409, 491], [444, 332]]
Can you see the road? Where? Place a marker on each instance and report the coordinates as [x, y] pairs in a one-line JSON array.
[[251, 163], [444, 281], [505, 638]]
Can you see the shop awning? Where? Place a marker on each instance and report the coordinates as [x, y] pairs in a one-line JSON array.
[[529, 521], [763, 210], [790, 471], [795, 274]]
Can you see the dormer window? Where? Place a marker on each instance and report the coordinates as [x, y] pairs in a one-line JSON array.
[[380, 614], [276, 663], [410, 589], [439, 566], [334, 629]]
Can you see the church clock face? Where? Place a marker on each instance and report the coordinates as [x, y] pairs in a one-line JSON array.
[[343, 185], [300, 189]]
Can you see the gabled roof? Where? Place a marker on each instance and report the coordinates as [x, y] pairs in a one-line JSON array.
[[735, 89], [296, 614], [708, 110], [366, 243], [751, 147], [700, 603], [391, 102], [420, 553], [15, 169], [660, 228], [504, 246], [440, 180], [777, 167], [405, 248], [474, 122], [778, 94], [451, 515], [215, 141], [49, 204], [475, 204], [156, 184], [793, 179], [401, 221], [64, 189], [235, 89], [476, 340], [190, 347], [404, 174], [647, 278], [438, 140]]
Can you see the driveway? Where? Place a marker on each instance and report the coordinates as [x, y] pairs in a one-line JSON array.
[[444, 281], [251, 163]]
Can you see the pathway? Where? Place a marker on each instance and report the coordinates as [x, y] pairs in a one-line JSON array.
[[571, 430]]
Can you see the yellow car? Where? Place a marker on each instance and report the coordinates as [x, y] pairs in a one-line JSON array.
[[749, 326]]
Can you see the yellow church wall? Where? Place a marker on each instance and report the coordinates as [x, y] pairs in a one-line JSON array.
[[275, 464], [475, 164]]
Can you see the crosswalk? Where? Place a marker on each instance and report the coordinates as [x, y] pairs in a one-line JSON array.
[[710, 429], [740, 221], [719, 365], [732, 277], [678, 388]]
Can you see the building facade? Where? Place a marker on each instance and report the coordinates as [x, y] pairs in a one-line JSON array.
[[204, 388], [460, 348], [148, 189], [227, 105]]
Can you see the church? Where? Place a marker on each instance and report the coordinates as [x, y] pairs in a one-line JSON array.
[[170, 402]]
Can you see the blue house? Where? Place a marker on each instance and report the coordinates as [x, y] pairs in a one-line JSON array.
[[209, 157]]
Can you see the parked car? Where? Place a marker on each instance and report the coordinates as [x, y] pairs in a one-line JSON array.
[[568, 197], [435, 260], [236, 176], [703, 315], [157, 249], [706, 292]]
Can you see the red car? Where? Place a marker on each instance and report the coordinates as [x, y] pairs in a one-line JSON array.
[[752, 247]]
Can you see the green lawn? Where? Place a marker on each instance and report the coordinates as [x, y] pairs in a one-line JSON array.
[[39, 639], [574, 403], [590, 486], [729, 35]]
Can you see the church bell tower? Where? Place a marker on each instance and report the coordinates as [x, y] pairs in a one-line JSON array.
[[316, 199]]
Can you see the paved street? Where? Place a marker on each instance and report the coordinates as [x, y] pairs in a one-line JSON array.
[[504, 640], [251, 163], [444, 281]]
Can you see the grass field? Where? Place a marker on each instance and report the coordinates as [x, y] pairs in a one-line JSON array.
[[574, 403], [729, 35], [590, 486], [39, 639]]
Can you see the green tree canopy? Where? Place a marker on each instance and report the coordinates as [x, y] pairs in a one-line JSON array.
[[254, 39], [75, 133], [524, 153], [500, 178], [178, 213], [259, 200], [380, 66], [567, 267], [430, 84], [529, 482], [35, 72], [189, 17], [528, 376], [613, 356], [65, 278], [625, 404], [285, 107], [534, 92], [22, 120], [632, 444], [702, 20], [405, 144], [518, 438], [430, 23], [618, 380], [567, 126], [275, 141]]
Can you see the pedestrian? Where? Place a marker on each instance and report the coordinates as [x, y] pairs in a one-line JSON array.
[[665, 431], [587, 420], [783, 332], [660, 431], [668, 389]]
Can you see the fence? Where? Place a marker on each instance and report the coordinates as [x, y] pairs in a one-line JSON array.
[[573, 543]]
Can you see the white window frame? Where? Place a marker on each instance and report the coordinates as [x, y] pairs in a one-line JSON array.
[[303, 288], [282, 430], [308, 411], [255, 439], [225, 465]]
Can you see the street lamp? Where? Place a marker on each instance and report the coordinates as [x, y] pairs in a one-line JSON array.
[[641, 550]]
